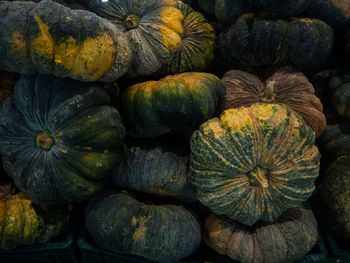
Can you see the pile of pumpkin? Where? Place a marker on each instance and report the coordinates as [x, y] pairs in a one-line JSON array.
[[242, 145]]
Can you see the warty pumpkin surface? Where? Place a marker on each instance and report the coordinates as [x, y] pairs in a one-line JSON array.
[[282, 87], [254, 163], [285, 240], [162, 233], [176, 103], [50, 38], [59, 138], [339, 88], [7, 84]]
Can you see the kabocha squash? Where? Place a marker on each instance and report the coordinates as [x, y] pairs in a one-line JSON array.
[[254, 163], [255, 41], [7, 84], [157, 171], [50, 38], [162, 233], [23, 223], [289, 88], [59, 139], [339, 88], [176, 103], [281, 8], [286, 240]]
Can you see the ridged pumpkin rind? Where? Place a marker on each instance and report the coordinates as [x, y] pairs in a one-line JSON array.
[[339, 88], [282, 8]]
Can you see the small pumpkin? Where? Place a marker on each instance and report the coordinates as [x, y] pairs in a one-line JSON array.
[[281, 8], [50, 38], [59, 138], [176, 103], [339, 87], [254, 163], [7, 84], [289, 88], [162, 233], [285, 240]]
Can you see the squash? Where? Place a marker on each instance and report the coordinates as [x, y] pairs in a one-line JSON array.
[[176, 103], [22, 222], [339, 87], [59, 138], [254, 163], [285, 240], [255, 41], [156, 171], [161, 233], [50, 38], [281, 8], [7, 84], [283, 86]]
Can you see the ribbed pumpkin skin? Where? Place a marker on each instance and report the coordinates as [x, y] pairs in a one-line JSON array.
[[281, 8], [162, 233], [59, 139], [256, 41], [339, 88], [289, 88], [23, 222], [175, 103], [50, 38], [286, 240], [156, 171], [7, 84], [254, 163]]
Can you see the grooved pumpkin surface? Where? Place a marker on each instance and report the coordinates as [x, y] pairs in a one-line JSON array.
[[254, 163], [339, 88], [281, 8]]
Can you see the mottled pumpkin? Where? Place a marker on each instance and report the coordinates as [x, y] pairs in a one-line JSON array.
[[59, 138], [162, 233], [335, 191], [254, 163], [176, 103], [22, 222], [339, 88], [156, 171], [285, 240], [281, 8], [289, 88], [7, 84], [50, 38], [256, 41]]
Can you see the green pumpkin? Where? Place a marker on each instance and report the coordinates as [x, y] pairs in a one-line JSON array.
[[339, 88], [161, 233], [50, 38], [285, 240], [282, 8], [7, 84], [59, 138], [22, 222], [176, 103], [254, 163]]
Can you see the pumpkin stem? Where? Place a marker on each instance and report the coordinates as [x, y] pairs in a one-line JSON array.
[[257, 177], [44, 140], [132, 21], [268, 92]]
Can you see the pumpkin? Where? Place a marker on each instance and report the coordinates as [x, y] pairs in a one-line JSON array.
[[255, 41], [162, 233], [7, 84], [254, 163], [335, 191], [285, 240], [281, 8], [289, 88], [50, 38], [156, 171], [22, 222], [339, 87], [176, 103], [59, 138], [154, 29]]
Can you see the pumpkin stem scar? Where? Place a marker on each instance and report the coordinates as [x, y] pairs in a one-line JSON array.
[[258, 177], [268, 94], [44, 140], [132, 21]]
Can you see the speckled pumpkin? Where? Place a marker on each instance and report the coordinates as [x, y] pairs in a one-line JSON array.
[[256, 41], [289, 88], [286, 240], [175, 103], [50, 38], [157, 171], [335, 190], [254, 163], [162, 233], [339, 88], [7, 84], [281, 8], [23, 223], [59, 138]]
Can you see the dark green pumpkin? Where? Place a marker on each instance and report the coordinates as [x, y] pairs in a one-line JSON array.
[[281, 8], [50, 38], [7, 84], [339, 88], [59, 138], [162, 233]]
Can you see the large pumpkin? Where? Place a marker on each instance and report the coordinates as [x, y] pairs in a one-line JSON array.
[[162, 233], [50, 38], [22, 222], [281, 8], [286, 240], [59, 139], [175, 103], [289, 88], [339, 88], [7, 84], [254, 163], [256, 41]]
